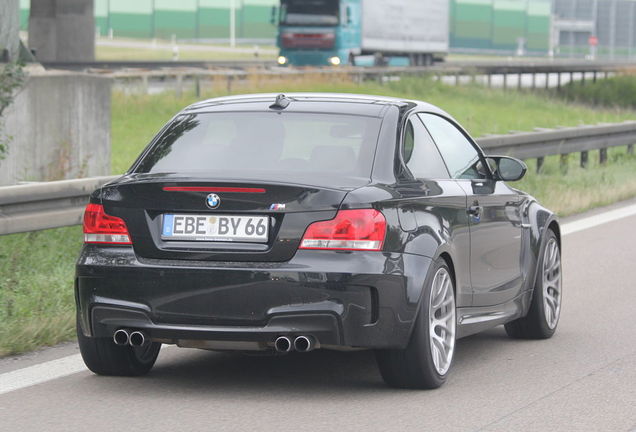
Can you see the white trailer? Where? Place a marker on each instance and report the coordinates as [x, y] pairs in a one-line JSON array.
[[417, 28]]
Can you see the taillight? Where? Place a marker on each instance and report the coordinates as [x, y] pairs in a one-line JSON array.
[[350, 230], [102, 228]]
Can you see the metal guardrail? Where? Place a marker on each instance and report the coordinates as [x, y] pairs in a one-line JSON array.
[[36, 206], [55, 204], [546, 142], [154, 65], [479, 66], [145, 72]]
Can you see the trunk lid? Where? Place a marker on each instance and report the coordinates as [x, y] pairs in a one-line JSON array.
[[143, 200]]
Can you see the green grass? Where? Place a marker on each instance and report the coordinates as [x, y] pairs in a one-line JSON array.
[[581, 189], [36, 288], [36, 269]]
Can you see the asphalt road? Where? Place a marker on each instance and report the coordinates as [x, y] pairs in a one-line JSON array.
[[584, 378]]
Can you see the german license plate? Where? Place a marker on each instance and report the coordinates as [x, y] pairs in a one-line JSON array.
[[228, 228]]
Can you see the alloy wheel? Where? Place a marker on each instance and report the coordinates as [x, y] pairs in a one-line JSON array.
[[442, 321], [552, 283]]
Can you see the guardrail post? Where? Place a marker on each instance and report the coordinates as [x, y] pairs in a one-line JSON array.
[[558, 80], [229, 84], [630, 149], [582, 78], [534, 80], [197, 86], [547, 80], [179, 87], [594, 77], [505, 81], [456, 78], [584, 159], [602, 156], [489, 75], [563, 163], [519, 81], [540, 161], [144, 83]]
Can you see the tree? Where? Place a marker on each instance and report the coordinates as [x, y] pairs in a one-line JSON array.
[[12, 78]]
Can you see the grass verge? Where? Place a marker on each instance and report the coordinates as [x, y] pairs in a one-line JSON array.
[[36, 269], [36, 288]]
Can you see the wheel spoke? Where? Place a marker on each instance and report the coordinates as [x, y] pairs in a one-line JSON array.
[[442, 321], [440, 344], [444, 317], [551, 289]]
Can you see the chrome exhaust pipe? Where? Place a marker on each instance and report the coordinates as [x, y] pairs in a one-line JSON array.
[[137, 338], [121, 337], [304, 343], [283, 344]]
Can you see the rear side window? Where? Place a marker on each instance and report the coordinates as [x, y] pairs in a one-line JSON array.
[[461, 158], [246, 144], [420, 153]]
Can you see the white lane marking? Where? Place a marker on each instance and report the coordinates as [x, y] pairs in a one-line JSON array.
[[70, 365], [599, 219], [40, 373]]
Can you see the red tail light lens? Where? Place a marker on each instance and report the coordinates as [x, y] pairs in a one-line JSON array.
[[349, 230], [102, 228]]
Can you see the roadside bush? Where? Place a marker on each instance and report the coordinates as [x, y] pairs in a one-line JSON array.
[[617, 91]]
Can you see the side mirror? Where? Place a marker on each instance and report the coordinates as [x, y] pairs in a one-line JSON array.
[[272, 19], [507, 168]]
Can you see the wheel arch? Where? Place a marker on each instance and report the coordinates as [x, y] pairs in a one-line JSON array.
[[445, 254], [556, 228], [542, 220], [451, 267]]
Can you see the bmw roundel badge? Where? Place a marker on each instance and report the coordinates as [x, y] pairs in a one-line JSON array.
[[213, 201]]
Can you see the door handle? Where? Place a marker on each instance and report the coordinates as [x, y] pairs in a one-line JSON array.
[[475, 211]]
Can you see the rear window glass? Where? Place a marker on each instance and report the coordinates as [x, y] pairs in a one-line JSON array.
[[249, 144]]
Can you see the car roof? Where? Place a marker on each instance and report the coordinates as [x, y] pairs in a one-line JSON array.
[[319, 102]]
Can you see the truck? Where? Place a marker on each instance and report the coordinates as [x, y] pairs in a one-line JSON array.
[[335, 32]]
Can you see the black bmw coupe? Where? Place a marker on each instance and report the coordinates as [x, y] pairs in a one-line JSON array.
[[290, 223]]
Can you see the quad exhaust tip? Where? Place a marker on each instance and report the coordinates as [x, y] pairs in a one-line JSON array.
[[304, 343], [121, 337], [283, 344], [300, 344], [137, 339]]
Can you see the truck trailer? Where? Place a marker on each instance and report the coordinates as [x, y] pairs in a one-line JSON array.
[[334, 32]]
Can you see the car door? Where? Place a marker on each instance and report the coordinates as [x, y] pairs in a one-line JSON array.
[[494, 218], [433, 207]]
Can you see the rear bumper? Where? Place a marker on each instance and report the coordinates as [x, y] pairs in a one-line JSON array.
[[361, 299]]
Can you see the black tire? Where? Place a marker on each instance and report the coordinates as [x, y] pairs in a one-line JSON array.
[[103, 357], [413, 367], [535, 324]]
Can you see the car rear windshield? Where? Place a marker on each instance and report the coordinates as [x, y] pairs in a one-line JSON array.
[[262, 145]]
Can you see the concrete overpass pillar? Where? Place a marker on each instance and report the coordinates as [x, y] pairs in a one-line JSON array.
[[9, 28], [62, 30]]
